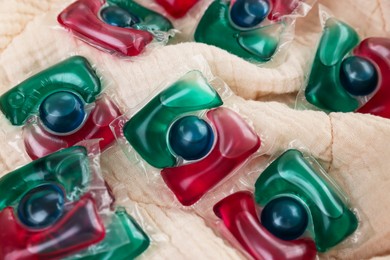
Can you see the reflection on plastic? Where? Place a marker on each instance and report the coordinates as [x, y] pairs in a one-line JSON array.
[[82, 18], [285, 217], [177, 8], [239, 215], [358, 76], [116, 16], [235, 27], [191, 137], [292, 175], [58, 214], [249, 13], [62, 112], [41, 206]]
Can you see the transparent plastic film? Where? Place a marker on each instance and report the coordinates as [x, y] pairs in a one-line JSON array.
[[142, 218]]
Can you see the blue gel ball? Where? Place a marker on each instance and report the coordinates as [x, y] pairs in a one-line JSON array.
[[191, 137], [62, 112], [358, 76], [116, 16], [249, 13], [41, 206], [285, 217]]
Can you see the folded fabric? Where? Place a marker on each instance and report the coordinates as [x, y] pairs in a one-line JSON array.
[[353, 147]]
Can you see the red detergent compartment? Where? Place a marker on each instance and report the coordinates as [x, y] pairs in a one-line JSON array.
[[177, 8], [79, 228], [240, 216], [282, 7], [82, 18], [39, 142], [377, 50]]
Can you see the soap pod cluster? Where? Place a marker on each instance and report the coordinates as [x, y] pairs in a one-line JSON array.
[[121, 27], [58, 206], [59, 107], [185, 132], [177, 8], [294, 212], [251, 29], [348, 74]]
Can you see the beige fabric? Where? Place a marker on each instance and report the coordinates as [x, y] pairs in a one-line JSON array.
[[353, 147]]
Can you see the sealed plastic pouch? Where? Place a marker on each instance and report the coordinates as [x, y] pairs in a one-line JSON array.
[[185, 131], [59, 107], [121, 27], [348, 74], [290, 210], [255, 30], [60, 206]]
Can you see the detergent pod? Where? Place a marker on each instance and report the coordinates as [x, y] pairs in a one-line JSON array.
[[292, 176], [186, 132], [121, 27], [177, 8], [255, 30], [59, 107], [295, 211], [240, 216], [349, 74], [59, 206]]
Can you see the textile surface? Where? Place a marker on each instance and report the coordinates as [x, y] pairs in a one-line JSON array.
[[354, 148]]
